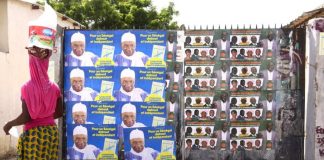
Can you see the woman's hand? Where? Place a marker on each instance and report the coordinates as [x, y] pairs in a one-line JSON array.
[[7, 127]]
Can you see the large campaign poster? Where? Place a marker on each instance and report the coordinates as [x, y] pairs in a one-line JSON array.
[[149, 143], [113, 79], [92, 142]]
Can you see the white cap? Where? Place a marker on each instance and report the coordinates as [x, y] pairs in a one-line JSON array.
[[128, 37], [78, 37], [76, 73], [127, 73], [128, 108], [42, 30], [136, 134], [80, 130], [79, 107]]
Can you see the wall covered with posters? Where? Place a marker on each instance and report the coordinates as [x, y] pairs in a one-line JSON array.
[[114, 95], [193, 94], [242, 94]]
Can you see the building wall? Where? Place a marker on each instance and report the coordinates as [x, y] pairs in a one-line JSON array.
[[14, 68], [3, 26], [314, 139]]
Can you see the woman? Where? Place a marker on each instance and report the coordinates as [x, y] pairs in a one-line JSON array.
[[41, 99], [41, 104]]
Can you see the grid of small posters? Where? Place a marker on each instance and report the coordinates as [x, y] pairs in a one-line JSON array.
[[229, 106], [114, 93]]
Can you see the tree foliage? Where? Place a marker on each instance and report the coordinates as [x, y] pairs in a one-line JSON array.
[[117, 14]]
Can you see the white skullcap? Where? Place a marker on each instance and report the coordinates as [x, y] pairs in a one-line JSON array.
[[128, 37], [79, 107], [42, 30], [128, 108], [80, 130], [77, 73], [136, 134], [127, 73], [78, 37]]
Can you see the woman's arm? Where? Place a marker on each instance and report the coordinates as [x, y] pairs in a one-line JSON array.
[[21, 119], [59, 108]]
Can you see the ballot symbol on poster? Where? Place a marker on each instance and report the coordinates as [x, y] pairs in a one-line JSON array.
[[107, 51], [167, 146], [158, 51], [107, 87], [158, 121], [109, 120], [110, 144], [157, 88]]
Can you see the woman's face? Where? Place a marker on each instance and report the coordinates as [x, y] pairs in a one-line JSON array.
[[39, 52]]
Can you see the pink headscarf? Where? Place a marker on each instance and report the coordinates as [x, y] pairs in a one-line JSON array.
[[39, 93]]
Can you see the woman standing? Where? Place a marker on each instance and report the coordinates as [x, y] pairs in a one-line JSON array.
[[41, 98]]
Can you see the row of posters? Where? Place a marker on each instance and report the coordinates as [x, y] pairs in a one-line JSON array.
[[229, 82], [150, 94], [114, 95]]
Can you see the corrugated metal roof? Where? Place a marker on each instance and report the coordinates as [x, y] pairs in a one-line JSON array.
[[303, 19]]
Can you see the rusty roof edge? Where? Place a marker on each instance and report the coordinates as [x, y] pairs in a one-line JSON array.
[[305, 17]]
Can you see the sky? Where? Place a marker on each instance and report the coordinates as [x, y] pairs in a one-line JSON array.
[[238, 12]]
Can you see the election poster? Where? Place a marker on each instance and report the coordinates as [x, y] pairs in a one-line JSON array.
[[92, 142], [156, 143]]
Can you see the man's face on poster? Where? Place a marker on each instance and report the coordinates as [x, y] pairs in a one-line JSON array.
[[270, 36], [208, 70], [249, 145], [127, 83], [128, 47], [211, 113], [253, 70], [258, 82], [253, 39], [188, 114], [253, 130], [189, 144], [204, 144], [270, 66], [257, 143], [77, 83], [173, 98], [224, 127], [188, 83], [204, 84], [137, 144], [269, 97], [212, 82], [79, 117], [224, 35], [177, 68], [129, 118], [223, 97], [171, 37], [212, 142], [80, 140], [258, 51], [78, 48]]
